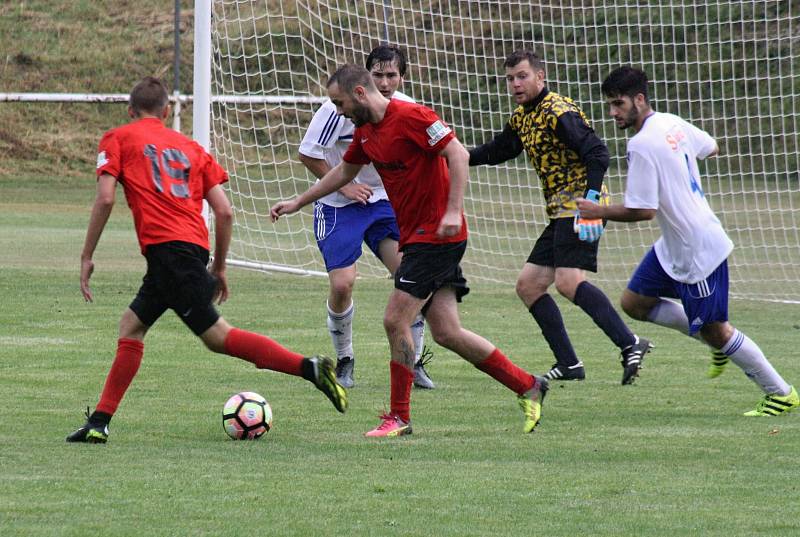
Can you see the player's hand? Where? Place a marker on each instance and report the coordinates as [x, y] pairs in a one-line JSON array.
[[588, 230], [589, 217], [221, 293], [450, 225], [87, 268], [356, 192], [283, 207]]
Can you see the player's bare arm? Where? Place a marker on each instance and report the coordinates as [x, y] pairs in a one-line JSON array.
[[617, 213], [339, 176], [458, 163], [319, 167], [101, 210], [223, 227]]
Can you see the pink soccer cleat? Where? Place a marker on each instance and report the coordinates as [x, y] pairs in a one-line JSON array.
[[390, 426]]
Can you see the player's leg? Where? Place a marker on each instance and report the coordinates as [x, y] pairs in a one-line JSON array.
[[421, 269], [341, 308], [437, 271], [779, 397], [190, 294], [644, 297], [381, 237], [532, 284], [401, 309], [447, 331], [707, 302], [572, 258], [134, 323], [339, 232], [644, 300], [266, 353]]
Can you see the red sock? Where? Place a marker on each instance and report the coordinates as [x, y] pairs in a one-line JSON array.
[[401, 379], [262, 351], [504, 371], [126, 364]]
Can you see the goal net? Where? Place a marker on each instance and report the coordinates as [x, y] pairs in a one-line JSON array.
[[732, 68]]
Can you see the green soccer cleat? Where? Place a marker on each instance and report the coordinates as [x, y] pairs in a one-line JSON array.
[[775, 405], [718, 362], [90, 433], [324, 379], [531, 403]]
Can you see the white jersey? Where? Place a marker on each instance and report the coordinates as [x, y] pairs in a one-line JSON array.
[[663, 175], [328, 137]]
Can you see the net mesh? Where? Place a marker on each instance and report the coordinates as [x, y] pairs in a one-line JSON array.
[[732, 68]]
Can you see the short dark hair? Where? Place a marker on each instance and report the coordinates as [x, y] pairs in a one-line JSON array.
[[149, 96], [387, 54], [521, 55], [349, 76], [627, 81]]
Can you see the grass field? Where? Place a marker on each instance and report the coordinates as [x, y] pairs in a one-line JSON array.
[[670, 455]]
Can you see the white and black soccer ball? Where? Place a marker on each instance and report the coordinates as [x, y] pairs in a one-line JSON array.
[[246, 416]]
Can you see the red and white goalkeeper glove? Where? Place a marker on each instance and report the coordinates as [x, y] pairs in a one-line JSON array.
[[588, 230]]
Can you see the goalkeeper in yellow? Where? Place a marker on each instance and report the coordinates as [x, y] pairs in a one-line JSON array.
[[571, 161]]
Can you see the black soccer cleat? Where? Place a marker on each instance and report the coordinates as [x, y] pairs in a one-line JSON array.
[[90, 433], [564, 372], [632, 358]]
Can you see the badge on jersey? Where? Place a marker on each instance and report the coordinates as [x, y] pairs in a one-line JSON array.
[[436, 132], [102, 160]]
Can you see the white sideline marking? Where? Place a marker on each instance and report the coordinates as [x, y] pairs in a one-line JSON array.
[[31, 341]]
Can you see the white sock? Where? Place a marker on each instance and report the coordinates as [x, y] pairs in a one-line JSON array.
[[418, 334], [747, 355], [670, 314], [340, 326]]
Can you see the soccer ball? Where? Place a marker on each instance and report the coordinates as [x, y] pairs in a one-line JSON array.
[[246, 416]]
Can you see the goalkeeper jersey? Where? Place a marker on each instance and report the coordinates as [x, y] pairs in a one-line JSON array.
[[165, 176], [404, 147], [328, 137], [567, 155], [663, 175]]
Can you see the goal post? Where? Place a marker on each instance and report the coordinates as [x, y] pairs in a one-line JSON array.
[[731, 67]]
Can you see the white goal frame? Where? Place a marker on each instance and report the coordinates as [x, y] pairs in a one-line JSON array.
[[730, 67]]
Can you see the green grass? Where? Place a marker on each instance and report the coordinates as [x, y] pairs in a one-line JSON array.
[[670, 455]]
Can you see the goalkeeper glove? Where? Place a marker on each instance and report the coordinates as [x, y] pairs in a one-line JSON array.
[[588, 230]]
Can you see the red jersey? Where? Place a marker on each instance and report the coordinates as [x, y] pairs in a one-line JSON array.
[[165, 176], [404, 147]]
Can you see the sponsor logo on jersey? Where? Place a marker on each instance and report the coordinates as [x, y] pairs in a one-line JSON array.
[[394, 165], [436, 132], [102, 160]]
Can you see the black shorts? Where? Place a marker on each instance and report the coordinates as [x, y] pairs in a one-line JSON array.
[[177, 279], [426, 268], [559, 246]]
